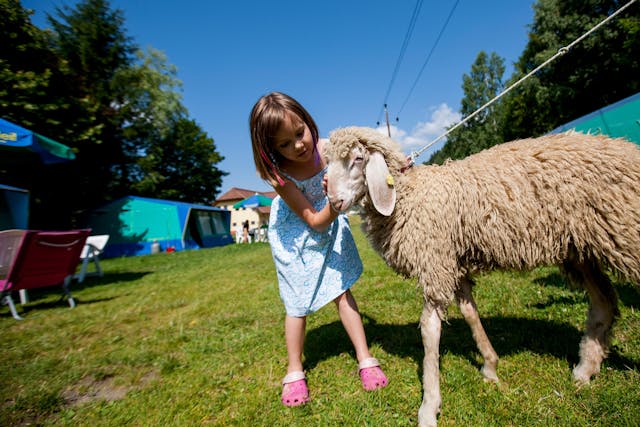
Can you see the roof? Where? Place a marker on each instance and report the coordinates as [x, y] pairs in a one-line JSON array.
[[236, 194], [166, 202]]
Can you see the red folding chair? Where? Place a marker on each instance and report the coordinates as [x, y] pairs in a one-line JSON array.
[[32, 259]]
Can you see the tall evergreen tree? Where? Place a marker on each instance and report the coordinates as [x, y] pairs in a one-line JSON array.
[[93, 41], [27, 68]]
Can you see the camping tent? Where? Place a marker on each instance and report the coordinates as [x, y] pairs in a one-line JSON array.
[[14, 208], [620, 119], [135, 223]]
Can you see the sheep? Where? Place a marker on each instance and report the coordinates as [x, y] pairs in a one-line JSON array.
[[569, 199]]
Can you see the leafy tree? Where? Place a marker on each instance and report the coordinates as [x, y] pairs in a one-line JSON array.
[[483, 130], [601, 69], [181, 166], [149, 100], [173, 157]]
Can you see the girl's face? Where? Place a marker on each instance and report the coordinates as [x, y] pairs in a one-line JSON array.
[[293, 141]]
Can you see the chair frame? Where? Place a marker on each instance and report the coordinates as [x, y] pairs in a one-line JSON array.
[[24, 268], [93, 247]]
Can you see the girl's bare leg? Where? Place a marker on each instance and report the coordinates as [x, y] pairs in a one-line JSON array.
[[294, 330], [350, 317]]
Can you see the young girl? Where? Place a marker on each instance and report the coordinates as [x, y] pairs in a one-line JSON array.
[[314, 252]]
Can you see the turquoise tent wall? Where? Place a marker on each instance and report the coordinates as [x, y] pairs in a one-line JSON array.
[[134, 223], [621, 119], [14, 208]]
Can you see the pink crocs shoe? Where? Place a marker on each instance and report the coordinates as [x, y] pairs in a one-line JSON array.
[[371, 374], [294, 389]]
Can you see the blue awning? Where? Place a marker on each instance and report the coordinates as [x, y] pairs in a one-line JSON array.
[[16, 138]]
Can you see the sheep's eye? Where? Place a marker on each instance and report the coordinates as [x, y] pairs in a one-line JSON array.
[[357, 161]]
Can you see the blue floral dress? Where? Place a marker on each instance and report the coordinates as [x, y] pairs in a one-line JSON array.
[[313, 268]]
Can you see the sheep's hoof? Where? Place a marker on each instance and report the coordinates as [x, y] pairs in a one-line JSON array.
[[428, 414], [581, 376], [489, 375], [427, 420], [581, 382]]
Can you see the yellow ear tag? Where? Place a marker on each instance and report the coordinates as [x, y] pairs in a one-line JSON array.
[[390, 181]]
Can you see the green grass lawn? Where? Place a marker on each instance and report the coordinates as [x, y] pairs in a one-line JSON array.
[[196, 338]]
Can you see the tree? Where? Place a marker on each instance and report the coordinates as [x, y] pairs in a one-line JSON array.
[[601, 69], [483, 130], [27, 67], [151, 102], [181, 166], [92, 40], [173, 157]]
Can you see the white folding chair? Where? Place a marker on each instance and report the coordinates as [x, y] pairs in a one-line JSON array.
[[91, 252]]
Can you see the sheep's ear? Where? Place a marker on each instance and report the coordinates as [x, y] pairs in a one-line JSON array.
[[380, 184]]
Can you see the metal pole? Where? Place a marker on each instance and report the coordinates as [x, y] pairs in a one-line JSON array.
[[386, 114]]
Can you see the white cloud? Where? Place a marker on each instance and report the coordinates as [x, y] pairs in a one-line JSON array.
[[441, 117]]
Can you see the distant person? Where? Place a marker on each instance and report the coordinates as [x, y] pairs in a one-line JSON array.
[[245, 231], [314, 252]]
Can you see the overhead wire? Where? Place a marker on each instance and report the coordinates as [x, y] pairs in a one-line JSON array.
[[403, 49], [433, 48]]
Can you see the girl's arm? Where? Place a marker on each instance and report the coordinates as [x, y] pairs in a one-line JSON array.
[[293, 197]]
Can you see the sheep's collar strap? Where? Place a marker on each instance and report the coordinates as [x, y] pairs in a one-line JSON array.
[[409, 164]]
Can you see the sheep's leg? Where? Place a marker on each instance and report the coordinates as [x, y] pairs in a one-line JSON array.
[[470, 312], [430, 327], [603, 310]]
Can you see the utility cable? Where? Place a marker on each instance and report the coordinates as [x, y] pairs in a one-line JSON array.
[[433, 48], [403, 49]]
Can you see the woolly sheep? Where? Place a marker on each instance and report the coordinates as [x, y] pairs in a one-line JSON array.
[[568, 199]]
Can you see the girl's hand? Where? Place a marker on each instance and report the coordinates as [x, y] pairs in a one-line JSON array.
[[298, 203], [325, 181]]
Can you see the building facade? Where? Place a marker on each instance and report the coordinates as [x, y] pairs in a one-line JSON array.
[[258, 217]]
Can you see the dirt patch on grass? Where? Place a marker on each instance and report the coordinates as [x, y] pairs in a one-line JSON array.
[[90, 389]]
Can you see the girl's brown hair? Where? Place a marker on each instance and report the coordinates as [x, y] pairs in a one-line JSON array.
[[266, 117]]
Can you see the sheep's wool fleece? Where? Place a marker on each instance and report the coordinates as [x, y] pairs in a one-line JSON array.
[[515, 206]]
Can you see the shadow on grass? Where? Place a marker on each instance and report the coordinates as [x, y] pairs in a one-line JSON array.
[[509, 336], [89, 282], [108, 279], [628, 294], [24, 310]]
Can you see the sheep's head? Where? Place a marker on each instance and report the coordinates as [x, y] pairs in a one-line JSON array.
[[362, 162]]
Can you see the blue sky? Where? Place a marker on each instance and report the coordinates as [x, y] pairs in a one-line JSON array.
[[336, 57]]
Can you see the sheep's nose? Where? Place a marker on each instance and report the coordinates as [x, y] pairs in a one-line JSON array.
[[336, 203]]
